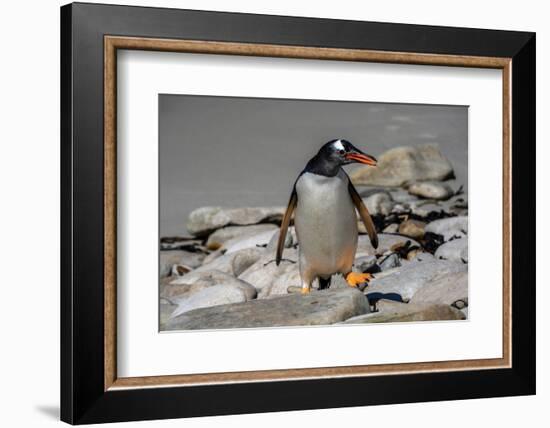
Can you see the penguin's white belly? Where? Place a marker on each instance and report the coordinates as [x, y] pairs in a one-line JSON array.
[[326, 224]]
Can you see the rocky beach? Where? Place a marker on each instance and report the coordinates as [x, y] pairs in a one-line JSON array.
[[223, 274]]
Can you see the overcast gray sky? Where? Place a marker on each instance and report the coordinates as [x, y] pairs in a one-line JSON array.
[[226, 151]]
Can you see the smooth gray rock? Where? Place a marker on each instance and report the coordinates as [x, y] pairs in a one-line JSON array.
[[401, 196], [447, 289], [166, 309], [252, 241], [389, 262], [179, 257], [221, 236], [290, 240], [207, 279], [264, 272], [317, 308], [403, 165], [208, 297], [281, 283], [171, 291], [213, 256], [403, 312], [449, 227], [379, 203], [233, 263], [431, 190], [203, 221], [411, 277], [454, 250]]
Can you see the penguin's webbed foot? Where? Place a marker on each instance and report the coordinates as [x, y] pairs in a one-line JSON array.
[[356, 279]]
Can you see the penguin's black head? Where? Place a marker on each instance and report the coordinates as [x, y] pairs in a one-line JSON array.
[[335, 154], [343, 152]]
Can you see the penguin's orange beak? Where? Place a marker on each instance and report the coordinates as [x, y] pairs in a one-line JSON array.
[[362, 158]]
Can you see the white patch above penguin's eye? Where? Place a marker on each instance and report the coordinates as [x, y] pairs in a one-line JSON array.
[[338, 145]]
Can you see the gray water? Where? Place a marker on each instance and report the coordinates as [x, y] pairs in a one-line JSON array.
[[224, 151]]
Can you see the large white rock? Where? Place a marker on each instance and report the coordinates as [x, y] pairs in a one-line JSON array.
[[179, 257], [214, 278], [409, 278], [403, 165], [204, 220], [455, 250], [233, 263], [452, 227], [264, 272], [208, 297], [249, 241], [228, 233], [446, 289], [379, 203]]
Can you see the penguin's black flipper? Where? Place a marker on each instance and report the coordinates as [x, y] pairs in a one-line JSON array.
[[364, 213], [284, 225]]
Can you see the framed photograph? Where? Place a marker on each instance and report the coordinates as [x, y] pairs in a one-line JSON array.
[[266, 213]]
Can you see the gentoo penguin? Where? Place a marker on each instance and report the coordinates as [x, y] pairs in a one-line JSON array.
[[324, 201]]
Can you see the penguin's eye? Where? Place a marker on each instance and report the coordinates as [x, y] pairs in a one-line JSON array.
[[341, 151]]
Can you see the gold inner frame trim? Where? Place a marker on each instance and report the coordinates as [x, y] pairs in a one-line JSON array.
[[113, 43]]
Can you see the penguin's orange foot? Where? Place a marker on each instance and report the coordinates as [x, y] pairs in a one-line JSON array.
[[354, 279], [305, 290]]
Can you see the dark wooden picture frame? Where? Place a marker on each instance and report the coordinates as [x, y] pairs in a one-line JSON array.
[[90, 36]]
